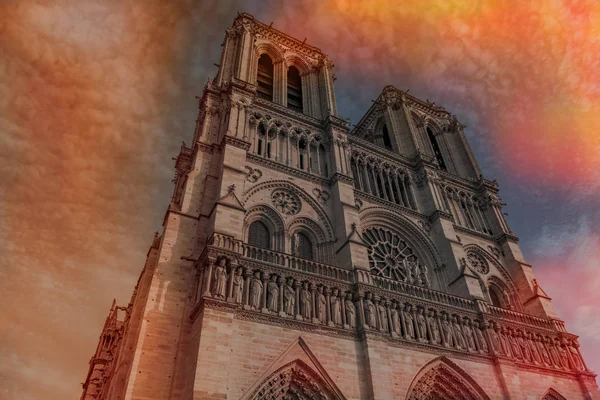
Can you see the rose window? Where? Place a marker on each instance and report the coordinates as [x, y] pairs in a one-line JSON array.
[[286, 202], [478, 263], [391, 257]]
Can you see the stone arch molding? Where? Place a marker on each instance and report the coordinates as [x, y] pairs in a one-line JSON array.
[[307, 200], [443, 379], [294, 374], [271, 218], [552, 394], [505, 281]]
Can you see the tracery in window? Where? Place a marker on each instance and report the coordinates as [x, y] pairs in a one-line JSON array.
[[391, 257], [286, 202], [294, 89], [436, 149], [264, 77], [259, 235]]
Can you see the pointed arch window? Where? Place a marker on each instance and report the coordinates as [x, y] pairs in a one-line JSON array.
[[259, 236], [436, 149], [387, 142], [264, 77], [294, 89]]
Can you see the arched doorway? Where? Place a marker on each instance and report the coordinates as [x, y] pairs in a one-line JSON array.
[[442, 379]]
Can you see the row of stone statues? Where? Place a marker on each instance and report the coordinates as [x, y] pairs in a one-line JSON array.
[[426, 326], [316, 303], [284, 296], [534, 348]]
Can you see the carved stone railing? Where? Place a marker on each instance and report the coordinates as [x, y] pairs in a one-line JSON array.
[[522, 318], [296, 263], [424, 293], [283, 287]]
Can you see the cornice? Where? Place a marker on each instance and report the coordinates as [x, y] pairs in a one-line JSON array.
[[287, 169]]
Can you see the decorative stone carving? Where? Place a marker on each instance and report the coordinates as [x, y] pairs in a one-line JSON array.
[[436, 337], [483, 346], [220, 278], [381, 308], [395, 319], [305, 302], [370, 312], [238, 286], [478, 263], [350, 311], [286, 202], [256, 288], [409, 322], [421, 325], [253, 174], [459, 338], [321, 305], [469, 336], [272, 294], [289, 297], [336, 311], [321, 195], [391, 257], [447, 332]]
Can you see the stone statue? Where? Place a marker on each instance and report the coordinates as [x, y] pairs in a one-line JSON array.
[[395, 319], [238, 286], [514, 346], [272, 294], [535, 354], [256, 288], [483, 346], [350, 312], [220, 288], [564, 357], [495, 340], [289, 296], [447, 332], [554, 353], [505, 343], [424, 278], [434, 328], [336, 312], [321, 304], [416, 273], [421, 325], [525, 350], [469, 338], [305, 302], [458, 335], [296, 244], [370, 316], [572, 347], [543, 351], [409, 321], [383, 315]]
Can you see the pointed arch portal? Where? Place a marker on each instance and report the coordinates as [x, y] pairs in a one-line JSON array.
[[442, 379], [294, 381]]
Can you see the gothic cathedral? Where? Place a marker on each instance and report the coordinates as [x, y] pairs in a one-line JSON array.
[[302, 259]]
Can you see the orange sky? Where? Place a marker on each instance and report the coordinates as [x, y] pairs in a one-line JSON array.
[[96, 99]]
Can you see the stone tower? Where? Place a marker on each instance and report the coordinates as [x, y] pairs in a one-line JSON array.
[[304, 260]]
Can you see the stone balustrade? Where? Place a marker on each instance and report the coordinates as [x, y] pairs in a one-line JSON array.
[[251, 279]]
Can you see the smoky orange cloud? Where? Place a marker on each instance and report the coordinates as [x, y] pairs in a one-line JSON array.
[[83, 122], [527, 70]]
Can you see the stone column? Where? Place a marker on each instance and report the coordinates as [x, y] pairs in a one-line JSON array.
[[208, 277], [297, 291]]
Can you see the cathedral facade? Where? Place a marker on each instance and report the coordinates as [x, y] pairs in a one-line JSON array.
[[302, 259]]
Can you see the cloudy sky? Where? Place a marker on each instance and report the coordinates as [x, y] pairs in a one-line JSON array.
[[96, 97]]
